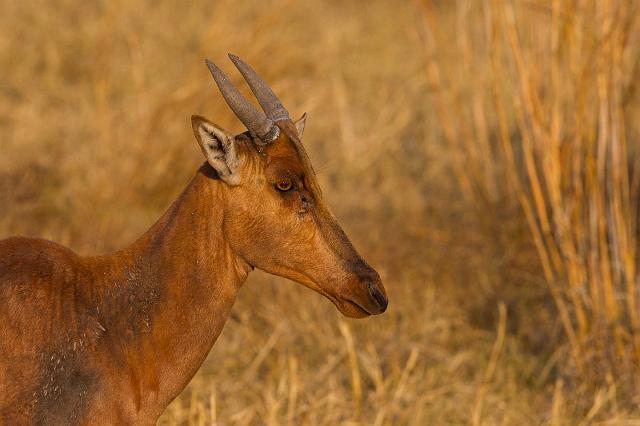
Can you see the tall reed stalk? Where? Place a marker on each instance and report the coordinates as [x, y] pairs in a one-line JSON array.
[[553, 84]]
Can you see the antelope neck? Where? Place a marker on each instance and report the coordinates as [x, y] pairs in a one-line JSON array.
[[165, 299]]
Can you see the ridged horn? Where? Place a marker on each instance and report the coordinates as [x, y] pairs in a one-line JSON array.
[[263, 93], [254, 120]]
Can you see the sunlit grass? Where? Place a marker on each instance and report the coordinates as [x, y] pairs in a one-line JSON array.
[[482, 155]]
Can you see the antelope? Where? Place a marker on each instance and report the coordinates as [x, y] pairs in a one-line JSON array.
[[113, 339]]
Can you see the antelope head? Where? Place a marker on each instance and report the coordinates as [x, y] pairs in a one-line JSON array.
[[275, 216]]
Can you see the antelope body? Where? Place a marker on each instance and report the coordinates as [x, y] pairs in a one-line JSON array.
[[114, 339]]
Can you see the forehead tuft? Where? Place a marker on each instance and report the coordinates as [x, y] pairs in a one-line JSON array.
[[287, 148]]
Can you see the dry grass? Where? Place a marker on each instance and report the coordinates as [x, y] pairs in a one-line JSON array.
[[481, 154], [557, 90]]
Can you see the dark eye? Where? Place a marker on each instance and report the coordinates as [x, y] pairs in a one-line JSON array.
[[284, 185]]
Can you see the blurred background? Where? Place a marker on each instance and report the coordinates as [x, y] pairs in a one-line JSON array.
[[482, 155]]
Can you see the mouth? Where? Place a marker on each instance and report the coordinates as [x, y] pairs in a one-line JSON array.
[[347, 307], [350, 308], [356, 309]]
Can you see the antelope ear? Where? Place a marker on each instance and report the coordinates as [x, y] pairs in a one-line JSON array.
[[218, 147], [300, 124]]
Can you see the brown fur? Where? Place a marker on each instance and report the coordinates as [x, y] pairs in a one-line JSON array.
[[113, 339]]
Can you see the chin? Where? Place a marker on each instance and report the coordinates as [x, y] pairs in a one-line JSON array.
[[351, 310]]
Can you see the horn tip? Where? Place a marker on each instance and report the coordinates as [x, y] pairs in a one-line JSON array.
[[213, 68]]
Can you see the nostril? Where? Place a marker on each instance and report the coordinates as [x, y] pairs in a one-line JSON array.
[[378, 297]]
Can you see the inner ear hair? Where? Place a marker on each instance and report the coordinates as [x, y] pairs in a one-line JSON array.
[[218, 147], [210, 138]]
